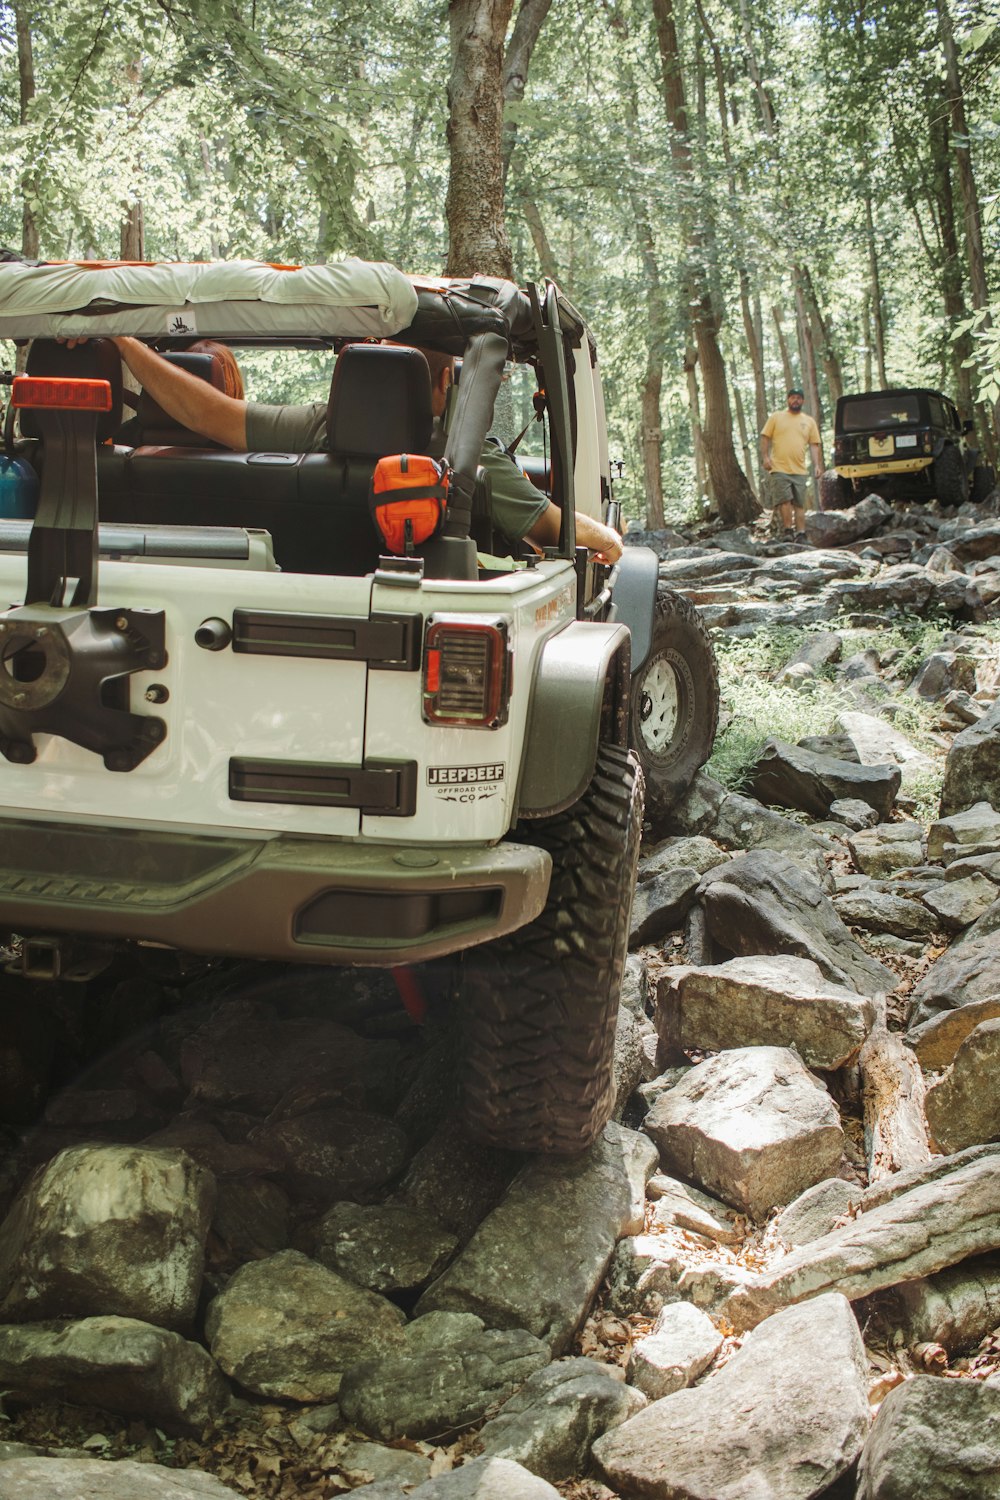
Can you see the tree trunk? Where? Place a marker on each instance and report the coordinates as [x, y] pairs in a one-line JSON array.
[[701, 479], [866, 318], [807, 355], [543, 250], [751, 329], [875, 295], [651, 439], [822, 340], [732, 493], [893, 1093], [748, 447], [517, 58], [786, 363], [477, 236], [26, 82]]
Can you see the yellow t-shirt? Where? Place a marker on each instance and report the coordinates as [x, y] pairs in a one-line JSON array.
[[790, 434]]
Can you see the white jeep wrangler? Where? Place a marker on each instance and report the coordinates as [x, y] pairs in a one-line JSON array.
[[233, 724]]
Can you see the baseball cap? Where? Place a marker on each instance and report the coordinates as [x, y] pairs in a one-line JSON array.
[[796, 392]]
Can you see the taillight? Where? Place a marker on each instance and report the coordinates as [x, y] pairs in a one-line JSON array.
[[467, 674], [65, 395]]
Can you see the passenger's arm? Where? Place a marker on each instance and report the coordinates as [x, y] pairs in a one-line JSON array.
[[600, 539], [191, 402]]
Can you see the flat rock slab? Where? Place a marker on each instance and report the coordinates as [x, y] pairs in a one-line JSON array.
[[959, 903], [763, 902], [881, 911], [968, 971], [108, 1230], [116, 1363], [661, 903], [877, 743], [764, 1000], [978, 824], [677, 1203], [334, 1153], [888, 847], [481, 1479], [816, 1211], [956, 1308], [752, 1125], [536, 1261], [744, 824], [682, 1345], [963, 1108], [288, 1327], [937, 1041], [793, 777], [449, 1372], [785, 1417], [915, 1234], [933, 1440], [550, 1425], [386, 1247], [972, 770], [95, 1479]]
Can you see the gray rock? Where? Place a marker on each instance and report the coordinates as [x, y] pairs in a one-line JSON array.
[[879, 911], [968, 971], [744, 824], [661, 903], [764, 1000], [699, 806], [385, 1247], [821, 648], [915, 590], [455, 1179], [944, 672], [840, 746], [956, 1309], [972, 543], [693, 853], [108, 1229], [914, 1234], [636, 998], [644, 1275], [963, 1107], [629, 1067], [97, 1479], [933, 1440], [682, 1345], [751, 1125], [972, 770], [449, 1372], [539, 1257], [251, 1217], [963, 707], [785, 1417], [360, 1461], [889, 847], [852, 813], [976, 826], [763, 903], [817, 1211], [289, 1328], [975, 864], [334, 1153], [482, 1479], [958, 903], [836, 528], [550, 1425], [117, 1363], [878, 743], [798, 778], [677, 1203]]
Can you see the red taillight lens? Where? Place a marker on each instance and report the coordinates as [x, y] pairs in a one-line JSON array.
[[66, 395], [467, 677]]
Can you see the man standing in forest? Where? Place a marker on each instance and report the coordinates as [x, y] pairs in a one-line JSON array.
[[786, 439]]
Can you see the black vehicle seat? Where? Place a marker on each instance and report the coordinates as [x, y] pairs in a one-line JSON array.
[[315, 505], [152, 426], [97, 359]]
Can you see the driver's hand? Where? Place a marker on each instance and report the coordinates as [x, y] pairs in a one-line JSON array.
[[611, 545]]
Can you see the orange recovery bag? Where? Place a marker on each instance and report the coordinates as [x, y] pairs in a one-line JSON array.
[[409, 499]]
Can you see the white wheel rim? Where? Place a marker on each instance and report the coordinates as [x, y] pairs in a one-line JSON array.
[[659, 704]]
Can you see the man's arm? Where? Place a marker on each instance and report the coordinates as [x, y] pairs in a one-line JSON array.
[[192, 403], [765, 451], [817, 455], [594, 535]]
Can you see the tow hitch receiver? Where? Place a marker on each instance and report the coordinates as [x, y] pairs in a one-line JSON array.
[[65, 662]]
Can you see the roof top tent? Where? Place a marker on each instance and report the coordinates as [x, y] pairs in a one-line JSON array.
[[485, 320]]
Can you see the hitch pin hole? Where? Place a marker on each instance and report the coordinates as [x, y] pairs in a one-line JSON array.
[[213, 635]]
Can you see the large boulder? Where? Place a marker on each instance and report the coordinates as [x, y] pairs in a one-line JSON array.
[[764, 1000], [288, 1328], [798, 778], [785, 1417], [933, 1440], [972, 770], [968, 971], [751, 1125], [96, 1479], [837, 528], [763, 902], [108, 1230], [117, 1363], [963, 1107]]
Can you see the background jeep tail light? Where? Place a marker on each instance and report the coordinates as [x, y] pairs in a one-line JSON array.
[[467, 676], [66, 395]]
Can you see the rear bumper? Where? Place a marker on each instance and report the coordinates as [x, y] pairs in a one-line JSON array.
[[884, 466], [292, 899]]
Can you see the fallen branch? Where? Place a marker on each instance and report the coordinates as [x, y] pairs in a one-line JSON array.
[[893, 1096]]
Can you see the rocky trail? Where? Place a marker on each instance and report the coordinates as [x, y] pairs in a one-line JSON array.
[[247, 1248]]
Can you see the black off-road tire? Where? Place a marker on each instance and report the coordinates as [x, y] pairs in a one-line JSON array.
[[674, 703], [984, 482], [835, 492], [948, 476], [539, 1007]]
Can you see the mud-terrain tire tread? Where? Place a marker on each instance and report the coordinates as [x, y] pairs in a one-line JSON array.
[[678, 634], [539, 1007], [835, 492], [951, 485], [984, 482]]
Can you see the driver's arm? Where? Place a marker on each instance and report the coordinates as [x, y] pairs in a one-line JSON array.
[[594, 535], [192, 403]]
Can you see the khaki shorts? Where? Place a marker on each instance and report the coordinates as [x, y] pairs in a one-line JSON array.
[[782, 488]]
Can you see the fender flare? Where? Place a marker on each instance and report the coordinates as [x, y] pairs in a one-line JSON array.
[[634, 598], [579, 697]]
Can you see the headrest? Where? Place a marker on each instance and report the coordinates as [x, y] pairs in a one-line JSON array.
[[154, 426], [380, 401], [97, 359]]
